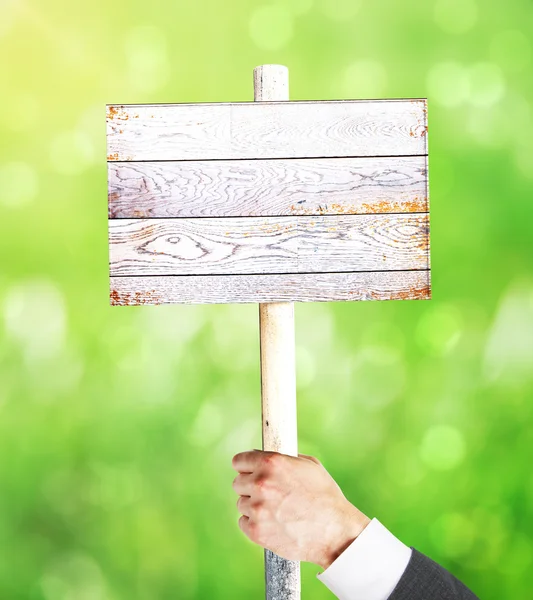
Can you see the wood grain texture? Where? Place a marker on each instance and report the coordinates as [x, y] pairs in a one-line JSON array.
[[268, 245], [267, 187], [249, 130], [316, 287]]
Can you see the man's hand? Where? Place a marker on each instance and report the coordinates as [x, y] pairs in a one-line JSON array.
[[293, 507]]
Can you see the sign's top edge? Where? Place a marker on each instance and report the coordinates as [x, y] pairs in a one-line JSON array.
[[347, 101]]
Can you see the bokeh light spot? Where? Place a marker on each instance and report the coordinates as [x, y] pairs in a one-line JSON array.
[[315, 327], [524, 160], [208, 424], [271, 27], [34, 314], [300, 7], [509, 348], [7, 10], [148, 63], [72, 152], [305, 366], [442, 447], [18, 184], [490, 126], [439, 329], [520, 110], [378, 373], [340, 10], [378, 333], [365, 78], [487, 85], [21, 111], [455, 16], [230, 329], [448, 84], [74, 576]]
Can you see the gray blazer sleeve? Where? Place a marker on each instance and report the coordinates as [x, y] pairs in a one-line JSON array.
[[424, 579]]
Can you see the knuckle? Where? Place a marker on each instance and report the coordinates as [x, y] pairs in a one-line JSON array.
[[262, 483], [272, 460], [259, 510], [252, 528], [255, 531]]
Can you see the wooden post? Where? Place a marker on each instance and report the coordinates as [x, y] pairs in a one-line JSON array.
[[278, 370]]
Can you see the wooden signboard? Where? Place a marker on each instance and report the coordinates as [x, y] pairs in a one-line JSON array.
[[267, 202], [270, 202]]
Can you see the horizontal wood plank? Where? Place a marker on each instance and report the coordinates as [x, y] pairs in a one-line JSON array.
[[249, 130], [321, 287], [267, 187], [302, 244]]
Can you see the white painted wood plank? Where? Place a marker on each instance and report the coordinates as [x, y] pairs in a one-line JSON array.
[[316, 287], [267, 187], [209, 246], [250, 130]]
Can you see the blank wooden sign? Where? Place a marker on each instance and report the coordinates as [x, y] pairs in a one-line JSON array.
[[268, 202]]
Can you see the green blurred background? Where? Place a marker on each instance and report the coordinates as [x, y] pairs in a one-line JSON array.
[[117, 425]]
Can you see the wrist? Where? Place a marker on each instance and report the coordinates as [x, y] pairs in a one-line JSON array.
[[350, 526]]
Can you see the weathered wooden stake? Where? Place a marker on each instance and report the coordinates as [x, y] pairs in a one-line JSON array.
[[278, 370]]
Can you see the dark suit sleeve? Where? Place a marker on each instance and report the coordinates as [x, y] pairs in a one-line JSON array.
[[424, 579]]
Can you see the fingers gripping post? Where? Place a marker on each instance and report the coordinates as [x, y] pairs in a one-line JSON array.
[[278, 372]]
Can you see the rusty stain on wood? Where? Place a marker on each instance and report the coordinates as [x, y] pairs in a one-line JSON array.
[[413, 293], [325, 209], [277, 227], [117, 113], [120, 113], [135, 298], [425, 120], [415, 204]]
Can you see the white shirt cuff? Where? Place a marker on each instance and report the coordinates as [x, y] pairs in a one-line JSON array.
[[370, 568]]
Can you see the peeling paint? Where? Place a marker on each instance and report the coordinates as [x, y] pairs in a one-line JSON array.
[[135, 298], [415, 204], [413, 293], [276, 227], [119, 113]]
